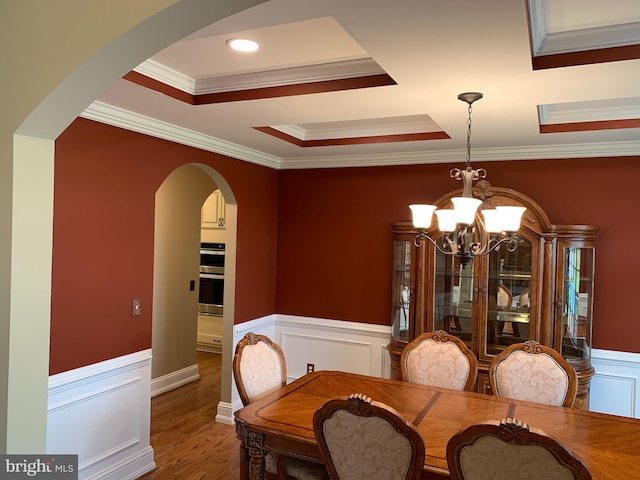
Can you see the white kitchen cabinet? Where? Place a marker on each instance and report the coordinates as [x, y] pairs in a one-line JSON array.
[[213, 211]]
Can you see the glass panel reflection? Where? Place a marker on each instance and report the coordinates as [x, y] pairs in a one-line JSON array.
[[453, 296], [577, 303], [401, 289], [508, 297]]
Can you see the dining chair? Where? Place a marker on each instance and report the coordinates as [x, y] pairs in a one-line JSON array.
[[363, 439], [510, 450], [533, 372], [259, 368], [441, 360]]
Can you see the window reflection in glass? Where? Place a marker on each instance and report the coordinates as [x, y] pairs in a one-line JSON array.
[[576, 303], [401, 289]]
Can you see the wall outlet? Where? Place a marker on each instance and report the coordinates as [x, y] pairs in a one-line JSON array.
[[136, 307], [310, 367]]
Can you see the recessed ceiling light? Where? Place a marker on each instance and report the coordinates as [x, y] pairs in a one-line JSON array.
[[243, 44]]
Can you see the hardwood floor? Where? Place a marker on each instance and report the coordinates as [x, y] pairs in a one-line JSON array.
[[187, 441]]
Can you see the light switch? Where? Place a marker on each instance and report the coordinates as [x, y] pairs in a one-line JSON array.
[[136, 306]]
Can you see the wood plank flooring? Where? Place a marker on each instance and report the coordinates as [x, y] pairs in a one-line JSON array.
[[187, 441]]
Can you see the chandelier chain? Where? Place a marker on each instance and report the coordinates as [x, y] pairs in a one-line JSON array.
[[469, 138]]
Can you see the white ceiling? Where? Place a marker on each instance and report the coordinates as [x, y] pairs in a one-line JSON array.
[[432, 49]]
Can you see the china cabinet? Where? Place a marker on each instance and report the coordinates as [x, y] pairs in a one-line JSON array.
[[541, 291]]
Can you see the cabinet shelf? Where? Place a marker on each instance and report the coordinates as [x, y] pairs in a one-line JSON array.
[[516, 317], [449, 274], [513, 275]]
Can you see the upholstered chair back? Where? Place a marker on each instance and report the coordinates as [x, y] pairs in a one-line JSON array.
[[440, 360], [510, 451], [533, 372], [361, 439], [259, 367]]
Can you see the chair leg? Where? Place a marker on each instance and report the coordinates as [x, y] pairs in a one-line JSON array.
[[281, 469]]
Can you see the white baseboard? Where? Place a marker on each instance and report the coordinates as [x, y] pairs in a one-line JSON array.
[[225, 412], [128, 468], [173, 380]]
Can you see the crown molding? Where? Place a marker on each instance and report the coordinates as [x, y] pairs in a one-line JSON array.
[[349, 129], [601, 110], [542, 152], [361, 67], [580, 40], [590, 39], [119, 117], [168, 76]]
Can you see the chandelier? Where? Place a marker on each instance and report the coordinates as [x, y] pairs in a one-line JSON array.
[[465, 234]]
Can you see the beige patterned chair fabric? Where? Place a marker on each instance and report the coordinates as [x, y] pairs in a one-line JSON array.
[[510, 451], [259, 368], [360, 439], [533, 372], [440, 360]]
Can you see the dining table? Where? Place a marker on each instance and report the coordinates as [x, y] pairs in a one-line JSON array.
[[282, 423]]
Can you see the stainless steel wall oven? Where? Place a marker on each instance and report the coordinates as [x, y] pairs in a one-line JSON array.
[[211, 298]]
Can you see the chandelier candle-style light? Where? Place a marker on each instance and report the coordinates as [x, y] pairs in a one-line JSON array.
[[465, 233]]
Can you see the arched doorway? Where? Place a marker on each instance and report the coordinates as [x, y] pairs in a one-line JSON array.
[[176, 262], [30, 125]]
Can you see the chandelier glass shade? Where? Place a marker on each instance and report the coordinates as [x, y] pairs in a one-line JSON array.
[[467, 232]]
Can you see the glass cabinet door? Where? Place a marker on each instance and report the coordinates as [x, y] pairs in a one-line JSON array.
[[509, 298], [401, 286], [454, 297], [575, 301]]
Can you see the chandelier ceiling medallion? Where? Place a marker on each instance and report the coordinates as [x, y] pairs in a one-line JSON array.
[[465, 233]]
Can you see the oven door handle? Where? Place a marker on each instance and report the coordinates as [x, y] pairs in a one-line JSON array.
[[214, 276]]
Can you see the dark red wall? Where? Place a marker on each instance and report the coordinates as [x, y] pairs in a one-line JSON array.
[[104, 194], [314, 243], [334, 237]]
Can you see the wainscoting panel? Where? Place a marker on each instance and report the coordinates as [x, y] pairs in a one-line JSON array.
[[332, 345], [614, 387], [327, 352], [328, 344], [102, 413]]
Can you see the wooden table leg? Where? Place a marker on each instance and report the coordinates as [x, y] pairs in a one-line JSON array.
[[244, 462], [256, 467], [256, 454]]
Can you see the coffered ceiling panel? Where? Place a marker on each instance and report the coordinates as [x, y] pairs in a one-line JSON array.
[[371, 82]]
